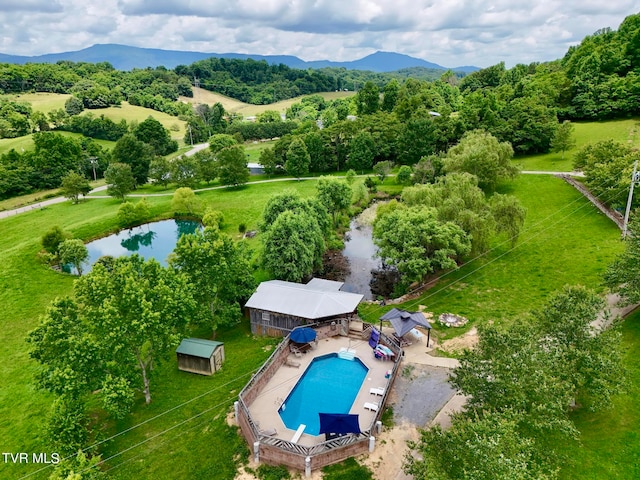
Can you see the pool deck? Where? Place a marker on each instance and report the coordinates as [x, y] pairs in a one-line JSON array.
[[264, 409]]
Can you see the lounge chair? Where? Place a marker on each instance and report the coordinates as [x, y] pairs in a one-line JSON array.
[[377, 391], [270, 432], [371, 406]]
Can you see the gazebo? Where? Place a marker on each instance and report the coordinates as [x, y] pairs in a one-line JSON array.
[[403, 322]]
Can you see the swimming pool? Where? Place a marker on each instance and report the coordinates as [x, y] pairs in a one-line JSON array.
[[329, 385]]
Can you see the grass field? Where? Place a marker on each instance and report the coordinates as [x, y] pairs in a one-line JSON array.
[[232, 105], [565, 240], [42, 102], [27, 287], [134, 113], [25, 143], [624, 131]]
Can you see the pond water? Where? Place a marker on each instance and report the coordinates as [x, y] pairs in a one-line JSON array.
[[360, 250], [152, 240]]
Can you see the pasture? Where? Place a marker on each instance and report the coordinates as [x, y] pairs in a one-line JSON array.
[[625, 131], [232, 105]]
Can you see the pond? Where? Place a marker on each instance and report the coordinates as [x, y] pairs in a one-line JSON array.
[[360, 250], [152, 240]]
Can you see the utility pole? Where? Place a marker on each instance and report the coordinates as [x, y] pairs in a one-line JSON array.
[[190, 135], [635, 177]]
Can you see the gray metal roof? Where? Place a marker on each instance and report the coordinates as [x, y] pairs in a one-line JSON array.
[[403, 321], [197, 347], [326, 285], [314, 300]]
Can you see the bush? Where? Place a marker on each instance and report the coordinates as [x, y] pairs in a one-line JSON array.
[[404, 175], [53, 238]]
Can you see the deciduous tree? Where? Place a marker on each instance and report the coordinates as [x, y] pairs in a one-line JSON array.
[[563, 139], [232, 166], [415, 242], [219, 270], [185, 201], [152, 132], [74, 185], [135, 153], [298, 159], [119, 179], [623, 275], [293, 246], [74, 252], [482, 155], [335, 195]]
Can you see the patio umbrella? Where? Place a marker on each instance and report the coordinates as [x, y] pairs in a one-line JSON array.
[[303, 335], [341, 423]]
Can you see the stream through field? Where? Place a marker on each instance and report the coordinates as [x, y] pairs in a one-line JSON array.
[[360, 250]]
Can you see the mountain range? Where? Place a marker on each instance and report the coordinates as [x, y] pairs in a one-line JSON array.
[[124, 57]]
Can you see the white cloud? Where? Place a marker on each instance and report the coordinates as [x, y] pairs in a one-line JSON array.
[[452, 33]]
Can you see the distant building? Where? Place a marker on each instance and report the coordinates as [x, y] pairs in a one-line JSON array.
[[255, 168], [277, 307]]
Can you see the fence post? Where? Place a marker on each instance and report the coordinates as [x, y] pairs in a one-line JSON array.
[[256, 452], [235, 410], [378, 427], [307, 467], [372, 443]]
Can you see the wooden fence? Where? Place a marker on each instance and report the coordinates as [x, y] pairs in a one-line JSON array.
[[276, 451]]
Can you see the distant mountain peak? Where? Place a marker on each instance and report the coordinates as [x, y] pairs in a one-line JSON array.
[[125, 57]]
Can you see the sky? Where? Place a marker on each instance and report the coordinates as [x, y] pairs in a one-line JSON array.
[[450, 33]]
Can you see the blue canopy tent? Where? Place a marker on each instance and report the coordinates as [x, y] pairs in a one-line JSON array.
[[338, 424]]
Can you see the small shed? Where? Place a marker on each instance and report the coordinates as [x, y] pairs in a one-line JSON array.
[[196, 355]]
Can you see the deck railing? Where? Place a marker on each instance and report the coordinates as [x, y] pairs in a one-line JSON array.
[[298, 451]]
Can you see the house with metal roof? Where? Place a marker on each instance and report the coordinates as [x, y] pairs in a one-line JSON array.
[[196, 355], [277, 307]]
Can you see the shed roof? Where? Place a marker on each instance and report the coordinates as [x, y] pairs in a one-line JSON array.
[[315, 300], [197, 347]]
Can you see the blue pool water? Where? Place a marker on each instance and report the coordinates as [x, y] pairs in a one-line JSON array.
[[329, 385]]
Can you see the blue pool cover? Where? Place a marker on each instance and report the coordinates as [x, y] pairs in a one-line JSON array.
[[329, 385]]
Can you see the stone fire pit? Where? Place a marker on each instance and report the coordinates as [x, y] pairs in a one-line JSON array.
[[452, 320]]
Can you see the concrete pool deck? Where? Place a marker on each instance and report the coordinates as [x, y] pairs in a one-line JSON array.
[[264, 409]]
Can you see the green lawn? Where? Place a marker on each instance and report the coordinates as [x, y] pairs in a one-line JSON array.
[[42, 102], [134, 113], [27, 287], [609, 445], [625, 131], [24, 143], [565, 240]]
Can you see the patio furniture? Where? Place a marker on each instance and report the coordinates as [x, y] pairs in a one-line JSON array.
[[377, 391], [371, 406]]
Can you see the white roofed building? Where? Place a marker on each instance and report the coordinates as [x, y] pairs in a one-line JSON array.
[[277, 307]]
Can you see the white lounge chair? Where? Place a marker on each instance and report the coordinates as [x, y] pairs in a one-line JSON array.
[[377, 391], [371, 406]]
